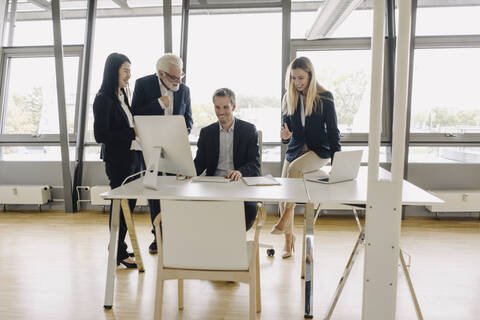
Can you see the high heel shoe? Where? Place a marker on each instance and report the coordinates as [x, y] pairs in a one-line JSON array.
[[276, 230], [129, 265], [287, 253]]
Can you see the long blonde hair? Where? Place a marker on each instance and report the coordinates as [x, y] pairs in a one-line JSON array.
[[313, 100]]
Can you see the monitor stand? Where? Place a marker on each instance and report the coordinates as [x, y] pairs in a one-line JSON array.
[[151, 174]]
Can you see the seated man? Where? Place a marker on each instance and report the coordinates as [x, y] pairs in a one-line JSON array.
[[229, 147]]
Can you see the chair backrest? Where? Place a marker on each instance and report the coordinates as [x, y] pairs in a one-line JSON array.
[[204, 235], [260, 148]]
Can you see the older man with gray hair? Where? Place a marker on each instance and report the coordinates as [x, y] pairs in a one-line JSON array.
[[162, 93]]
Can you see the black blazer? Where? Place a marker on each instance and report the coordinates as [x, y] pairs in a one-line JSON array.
[[147, 92], [111, 128], [320, 133], [246, 155]]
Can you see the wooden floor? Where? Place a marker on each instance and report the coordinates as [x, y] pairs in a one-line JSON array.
[[53, 266]]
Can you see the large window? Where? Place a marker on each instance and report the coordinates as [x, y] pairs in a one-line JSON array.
[[241, 52], [445, 95], [31, 105], [34, 153], [448, 20], [437, 154], [445, 100], [139, 38], [358, 24], [343, 66], [73, 32], [347, 75]]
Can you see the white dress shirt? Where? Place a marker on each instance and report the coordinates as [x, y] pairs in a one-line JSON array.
[[165, 92], [135, 143], [302, 111], [225, 152]]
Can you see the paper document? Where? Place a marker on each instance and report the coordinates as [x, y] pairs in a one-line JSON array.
[[261, 181], [210, 179]]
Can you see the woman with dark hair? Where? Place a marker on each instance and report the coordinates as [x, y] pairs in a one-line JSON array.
[[310, 129], [114, 129]]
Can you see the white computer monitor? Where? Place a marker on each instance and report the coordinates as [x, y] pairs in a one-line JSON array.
[[165, 147]]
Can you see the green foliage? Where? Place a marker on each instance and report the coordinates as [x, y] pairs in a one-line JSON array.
[[204, 114], [244, 102], [23, 112], [347, 90], [441, 117]]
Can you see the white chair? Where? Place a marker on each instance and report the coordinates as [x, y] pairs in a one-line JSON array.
[[206, 240], [260, 149]]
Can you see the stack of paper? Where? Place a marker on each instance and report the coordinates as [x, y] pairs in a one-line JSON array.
[[210, 179], [261, 181]]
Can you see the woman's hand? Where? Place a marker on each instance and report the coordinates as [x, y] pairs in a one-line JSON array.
[[285, 133]]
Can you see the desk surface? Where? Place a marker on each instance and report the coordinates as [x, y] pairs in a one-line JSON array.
[[169, 188], [290, 190], [355, 191]]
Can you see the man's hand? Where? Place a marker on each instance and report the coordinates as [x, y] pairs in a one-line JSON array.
[[234, 175], [165, 101], [285, 133], [136, 132]]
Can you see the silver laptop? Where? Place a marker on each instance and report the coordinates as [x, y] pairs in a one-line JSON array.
[[345, 167]]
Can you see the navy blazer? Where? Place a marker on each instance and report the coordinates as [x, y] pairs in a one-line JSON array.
[[246, 155], [320, 133], [111, 128], [145, 99]]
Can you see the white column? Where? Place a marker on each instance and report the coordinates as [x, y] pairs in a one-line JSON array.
[[383, 219]]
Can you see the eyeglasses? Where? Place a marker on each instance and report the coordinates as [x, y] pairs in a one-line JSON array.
[[174, 78]]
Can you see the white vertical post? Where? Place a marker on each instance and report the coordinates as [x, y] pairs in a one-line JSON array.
[[3, 19], [13, 21], [401, 89], [376, 98], [384, 197]]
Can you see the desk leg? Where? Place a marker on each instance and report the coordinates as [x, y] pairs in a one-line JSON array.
[[309, 237], [345, 275], [133, 235], [112, 254], [303, 249], [410, 286]]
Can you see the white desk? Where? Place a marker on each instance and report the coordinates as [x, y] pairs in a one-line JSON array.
[[349, 192], [355, 191], [290, 190]]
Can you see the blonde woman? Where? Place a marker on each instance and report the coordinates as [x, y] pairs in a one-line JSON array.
[[309, 127]]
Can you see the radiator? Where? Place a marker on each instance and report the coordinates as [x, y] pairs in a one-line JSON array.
[[456, 201], [25, 194], [97, 200]]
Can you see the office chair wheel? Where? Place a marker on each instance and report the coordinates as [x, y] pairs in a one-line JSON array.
[[270, 252]]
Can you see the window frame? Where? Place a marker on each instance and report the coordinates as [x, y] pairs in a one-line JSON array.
[[242, 9], [445, 139], [8, 53]]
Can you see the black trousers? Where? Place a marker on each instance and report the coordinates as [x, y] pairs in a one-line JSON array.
[[250, 213], [117, 171]]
